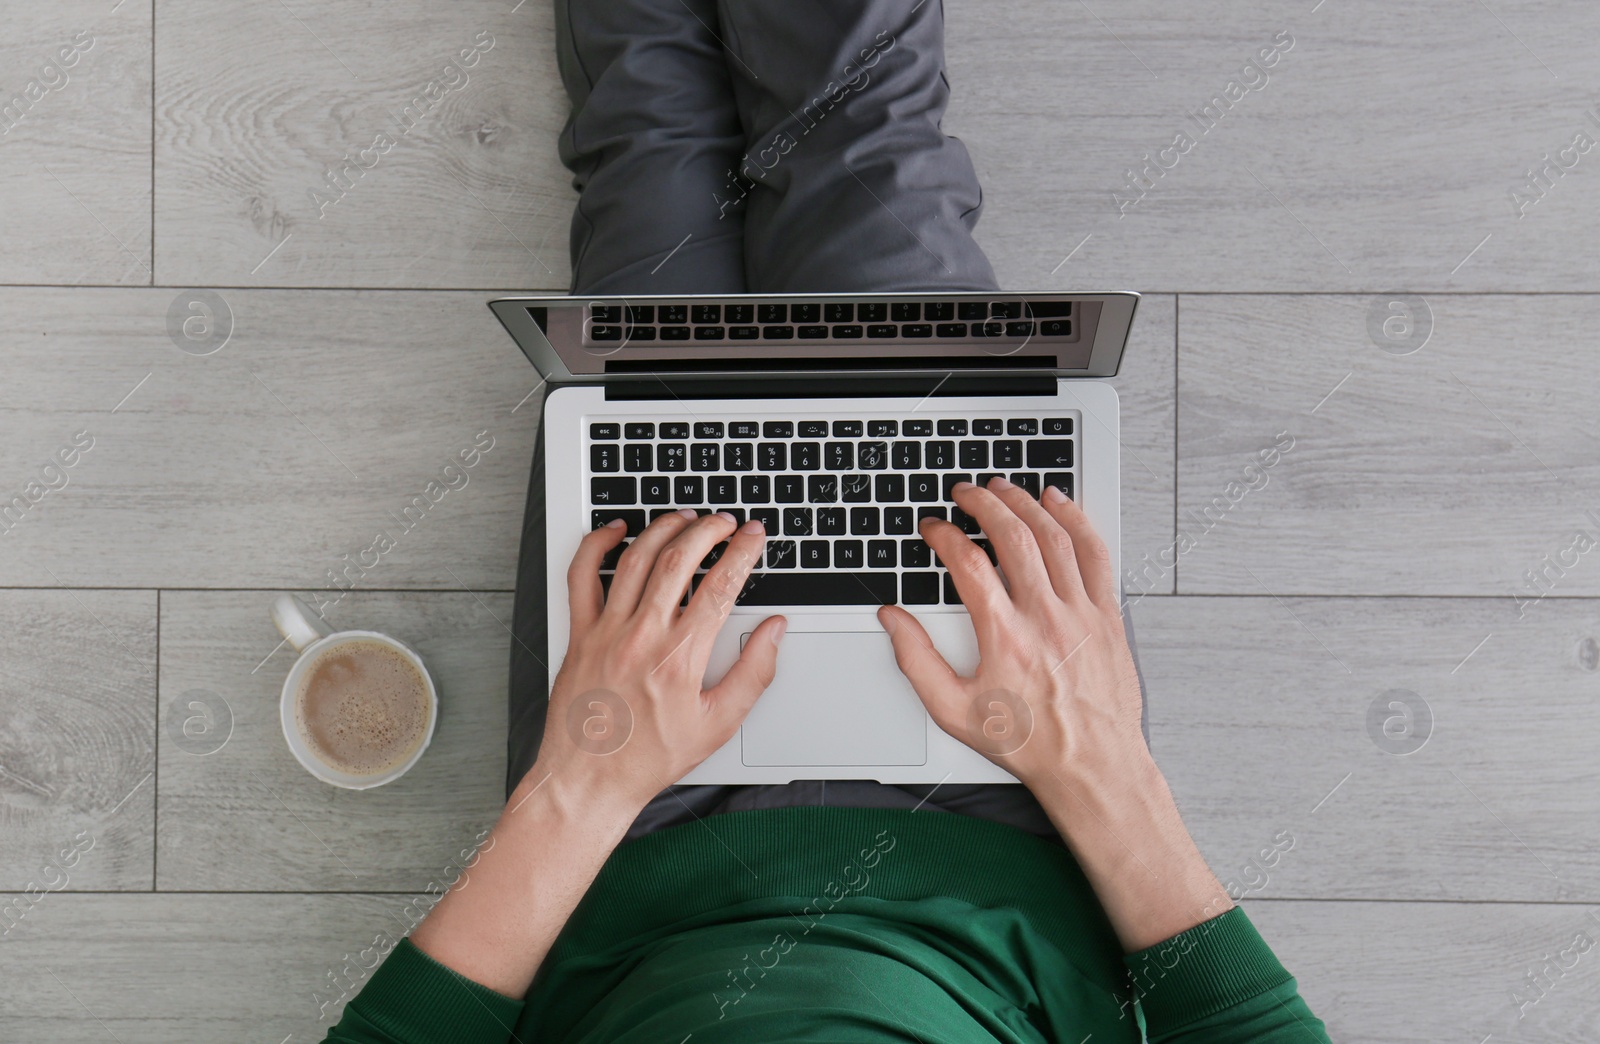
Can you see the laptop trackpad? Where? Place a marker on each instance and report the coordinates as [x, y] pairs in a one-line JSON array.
[[838, 699]]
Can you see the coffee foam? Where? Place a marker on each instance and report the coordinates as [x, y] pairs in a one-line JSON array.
[[363, 707]]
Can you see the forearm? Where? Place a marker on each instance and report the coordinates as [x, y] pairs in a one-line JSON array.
[[1123, 828], [497, 923]]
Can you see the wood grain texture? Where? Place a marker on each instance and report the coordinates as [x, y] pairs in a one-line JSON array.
[[1146, 387], [152, 969], [1454, 470], [77, 743], [75, 143], [1420, 973], [468, 193], [1380, 153], [267, 462], [155, 969], [248, 817], [1260, 717]]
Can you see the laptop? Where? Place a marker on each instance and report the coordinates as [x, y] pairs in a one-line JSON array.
[[839, 420]]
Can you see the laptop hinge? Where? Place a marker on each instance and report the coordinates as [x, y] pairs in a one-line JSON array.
[[824, 387]]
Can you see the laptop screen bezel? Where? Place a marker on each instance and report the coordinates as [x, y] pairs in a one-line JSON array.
[[1115, 319]]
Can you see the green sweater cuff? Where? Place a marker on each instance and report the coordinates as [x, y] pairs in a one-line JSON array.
[[1209, 968], [414, 999]]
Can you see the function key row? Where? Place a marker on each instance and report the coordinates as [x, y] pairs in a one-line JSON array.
[[1011, 328], [610, 431]]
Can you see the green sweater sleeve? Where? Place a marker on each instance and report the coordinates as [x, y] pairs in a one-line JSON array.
[[413, 999], [1219, 983]]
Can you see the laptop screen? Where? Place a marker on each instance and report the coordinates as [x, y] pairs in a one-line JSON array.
[[624, 338]]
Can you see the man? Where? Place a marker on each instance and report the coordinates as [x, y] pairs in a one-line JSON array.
[[781, 147]]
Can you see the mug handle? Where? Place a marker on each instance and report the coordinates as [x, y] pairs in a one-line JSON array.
[[296, 622]]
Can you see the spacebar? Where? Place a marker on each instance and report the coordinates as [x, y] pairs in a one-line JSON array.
[[819, 589]]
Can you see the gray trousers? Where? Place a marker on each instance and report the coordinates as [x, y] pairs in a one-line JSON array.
[[774, 146]]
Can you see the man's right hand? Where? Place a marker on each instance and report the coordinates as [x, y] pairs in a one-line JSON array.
[[1055, 693], [1055, 701]]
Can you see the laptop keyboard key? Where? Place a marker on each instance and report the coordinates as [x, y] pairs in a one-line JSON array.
[[675, 431], [613, 491], [1062, 480], [813, 429], [890, 488], [883, 429], [722, 489], [1027, 480], [772, 313], [924, 488], [951, 596], [1008, 453], [839, 312], [831, 521], [604, 431], [788, 489], [873, 456], [772, 456], [1058, 426], [864, 588], [689, 489], [780, 554], [755, 489], [739, 456], [806, 456], [603, 457], [656, 489], [988, 427], [637, 457], [822, 489], [768, 517], [705, 456], [848, 554], [744, 429], [813, 554], [919, 588], [897, 520], [1049, 453], [855, 489], [952, 427], [798, 522], [864, 521], [839, 456], [672, 457], [881, 554], [634, 518], [805, 313], [974, 454], [916, 428], [907, 456], [1022, 426], [777, 430], [915, 554], [940, 454]]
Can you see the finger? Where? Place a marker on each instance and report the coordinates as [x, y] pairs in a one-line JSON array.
[[711, 603], [1011, 538], [639, 560], [975, 579], [1055, 546], [678, 560], [941, 689], [733, 696], [1093, 557], [585, 597]]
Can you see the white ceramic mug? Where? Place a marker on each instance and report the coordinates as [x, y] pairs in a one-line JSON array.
[[311, 638]]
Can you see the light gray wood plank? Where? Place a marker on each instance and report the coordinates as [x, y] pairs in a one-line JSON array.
[[1380, 153], [1146, 387], [255, 105], [77, 743], [247, 816], [1259, 716], [147, 968], [75, 143], [142, 969], [1452, 470], [264, 464], [1419, 973]]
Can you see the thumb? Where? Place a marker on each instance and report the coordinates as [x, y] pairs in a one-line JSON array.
[[751, 673], [939, 687]]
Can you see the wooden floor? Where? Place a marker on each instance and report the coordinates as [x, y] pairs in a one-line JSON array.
[[1354, 257]]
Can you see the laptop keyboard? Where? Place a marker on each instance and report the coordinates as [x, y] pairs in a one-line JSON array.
[[840, 499], [829, 320]]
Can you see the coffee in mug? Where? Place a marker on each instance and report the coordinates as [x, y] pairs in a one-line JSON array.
[[362, 707], [358, 707]]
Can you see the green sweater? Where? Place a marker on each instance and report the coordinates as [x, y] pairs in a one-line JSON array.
[[826, 924]]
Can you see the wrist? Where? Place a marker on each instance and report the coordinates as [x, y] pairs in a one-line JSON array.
[[576, 797]]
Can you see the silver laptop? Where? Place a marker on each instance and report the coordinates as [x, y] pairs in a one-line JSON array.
[[839, 420]]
